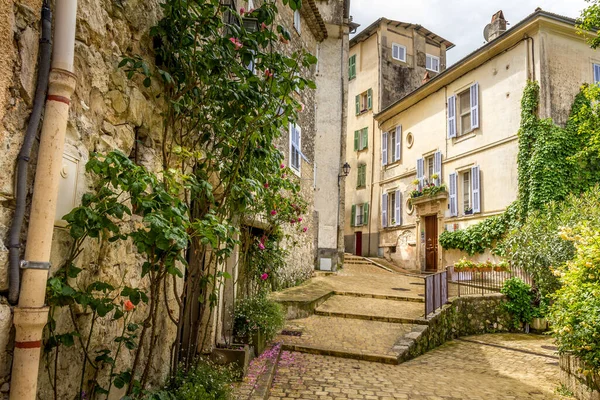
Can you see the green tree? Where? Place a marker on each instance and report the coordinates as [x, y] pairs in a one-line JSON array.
[[589, 21]]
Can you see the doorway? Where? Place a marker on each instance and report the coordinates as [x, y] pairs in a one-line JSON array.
[[431, 243], [358, 243]]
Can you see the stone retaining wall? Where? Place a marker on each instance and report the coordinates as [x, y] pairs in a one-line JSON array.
[[575, 381]]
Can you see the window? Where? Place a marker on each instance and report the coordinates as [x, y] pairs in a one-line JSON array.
[[463, 118], [392, 206], [391, 146], [362, 176], [295, 147], [429, 167], [364, 102], [596, 73], [391, 209], [429, 162], [361, 139], [432, 63], [250, 4], [398, 52], [465, 190], [297, 21], [360, 214], [352, 67]]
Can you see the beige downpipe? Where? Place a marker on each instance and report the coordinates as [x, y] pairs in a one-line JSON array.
[[31, 314]]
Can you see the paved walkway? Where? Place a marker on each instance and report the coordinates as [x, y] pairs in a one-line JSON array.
[[487, 367]]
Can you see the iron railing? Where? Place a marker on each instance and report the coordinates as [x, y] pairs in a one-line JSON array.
[[436, 291], [481, 282]]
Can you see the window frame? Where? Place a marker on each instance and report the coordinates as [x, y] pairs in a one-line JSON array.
[[430, 167], [397, 45], [391, 153], [295, 147], [361, 173], [391, 198], [297, 22], [359, 216], [432, 57], [466, 190], [459, 96]]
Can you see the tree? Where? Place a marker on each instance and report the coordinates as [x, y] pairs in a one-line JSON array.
[[589, 21]]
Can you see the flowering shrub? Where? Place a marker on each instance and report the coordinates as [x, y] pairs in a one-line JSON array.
[[467, 265], [258, 314]]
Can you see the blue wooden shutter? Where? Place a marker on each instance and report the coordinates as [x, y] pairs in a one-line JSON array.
[[476, 189], [475, 106], [421, 172], [437, 167], [398, 208], [453, 194], [398, 142], [384, 143], [370, 99], [452, 117], [353, 220], [384, 210], [366, 214], [596, 73]]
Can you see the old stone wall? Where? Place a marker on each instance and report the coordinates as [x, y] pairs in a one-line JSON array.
[[573, 379]]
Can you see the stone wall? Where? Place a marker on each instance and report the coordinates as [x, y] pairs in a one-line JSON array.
[[575, 382]]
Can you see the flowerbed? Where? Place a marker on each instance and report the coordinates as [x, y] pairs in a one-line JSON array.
[[465, 265]]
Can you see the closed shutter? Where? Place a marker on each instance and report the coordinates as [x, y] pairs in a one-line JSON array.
[[451, 117], [398, 208], [596, 73], [370, 99], [384, 144], [356, 141], [353, 220], [366, 214], [475, 106], [476, 189], [365, 138], [421, 172], [453, 195], [358, 105], [384, 206], [437, 167], [398, 142], [352, 67]]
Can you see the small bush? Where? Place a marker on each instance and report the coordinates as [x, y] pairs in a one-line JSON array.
[[520, 301], [258, 314]]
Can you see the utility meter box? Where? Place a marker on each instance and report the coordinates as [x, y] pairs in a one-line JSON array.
[[67, 188]]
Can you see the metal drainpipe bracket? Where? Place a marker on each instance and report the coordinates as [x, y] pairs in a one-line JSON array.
[[35, 265]]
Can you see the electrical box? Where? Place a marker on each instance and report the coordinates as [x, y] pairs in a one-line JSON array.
[[325, 264], [67, 188]]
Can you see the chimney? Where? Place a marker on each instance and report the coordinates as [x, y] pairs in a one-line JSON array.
[[497, 26]]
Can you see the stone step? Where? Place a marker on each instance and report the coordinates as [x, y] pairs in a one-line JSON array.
[[373, 309], [344, 337], [411, 298]]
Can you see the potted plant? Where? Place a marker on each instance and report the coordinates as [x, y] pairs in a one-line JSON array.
[[502, 266], [487, 266], [468, 211], [463, 270]]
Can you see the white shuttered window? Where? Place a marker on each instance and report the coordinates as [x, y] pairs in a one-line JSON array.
[[398, 208], [596, 73], [452, 189], [476, 189], [384, 210], [451, 117], [384, 151], [398, 143]]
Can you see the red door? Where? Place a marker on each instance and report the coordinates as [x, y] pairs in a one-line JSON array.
[[431, 243], [358, 243]]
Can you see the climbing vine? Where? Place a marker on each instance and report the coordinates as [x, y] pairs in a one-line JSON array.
[[553, 162]]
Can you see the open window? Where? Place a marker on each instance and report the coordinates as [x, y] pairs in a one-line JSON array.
[[364, 102]]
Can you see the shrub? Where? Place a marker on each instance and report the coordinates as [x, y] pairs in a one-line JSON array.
[[520, 301], [575, 314], [258, 314]]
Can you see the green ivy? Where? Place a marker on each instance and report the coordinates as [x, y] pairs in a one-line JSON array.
[[520, 301]]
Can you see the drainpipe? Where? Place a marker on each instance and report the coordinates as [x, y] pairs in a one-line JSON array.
[[31, 314]]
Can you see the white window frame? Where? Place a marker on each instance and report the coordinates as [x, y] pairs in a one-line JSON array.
[[295, 147], [466, 192], [297, 21], [465, 93], [360, 212], [391, 196], [596, 72], [429, 58], [398, 47]]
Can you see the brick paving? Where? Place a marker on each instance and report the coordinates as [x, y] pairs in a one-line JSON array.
[[455, 371], [370, 307]]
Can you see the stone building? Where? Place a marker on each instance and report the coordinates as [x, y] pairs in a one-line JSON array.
[[460, 130], [387, 60], [108, 112]]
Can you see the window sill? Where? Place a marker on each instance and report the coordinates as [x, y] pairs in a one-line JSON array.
[[296, 171], [365, 150], [364, 112], [393, 164], [465, 217], [464, 137], [399, 60], [432, 70]]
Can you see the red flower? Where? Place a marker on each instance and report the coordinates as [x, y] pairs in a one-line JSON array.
[[242, 10], [236, 43], [128, 305], [299, 219], [304, 229], [273, 212], [266, 185], [264, 277]]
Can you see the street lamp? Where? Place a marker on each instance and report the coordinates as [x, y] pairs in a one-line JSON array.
[[345, 171]]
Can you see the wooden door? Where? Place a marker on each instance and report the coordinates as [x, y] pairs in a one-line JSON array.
[[358, 243], [431, 243]]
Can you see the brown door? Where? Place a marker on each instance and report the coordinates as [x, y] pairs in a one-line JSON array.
[[431, 243], [358, 243]]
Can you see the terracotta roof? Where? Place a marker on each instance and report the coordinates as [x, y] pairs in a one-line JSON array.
[[371, 29]]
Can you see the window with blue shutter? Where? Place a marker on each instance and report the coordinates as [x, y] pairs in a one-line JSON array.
[[476, 188], [384, 144], [398, 142], [596, 73], [437, 168], [475, 106], [453, 195], [384, 210], [398, 208], [452, 117], [421, 173], [295, 147]]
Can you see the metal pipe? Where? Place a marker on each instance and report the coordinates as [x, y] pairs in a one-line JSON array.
[[30, 316], [14, 238]]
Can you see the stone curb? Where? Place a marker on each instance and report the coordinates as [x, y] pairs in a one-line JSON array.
[[393, 320], [380, 296], [263, 384], [379, 358]]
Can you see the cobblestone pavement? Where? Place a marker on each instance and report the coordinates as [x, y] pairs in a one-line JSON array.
[[379, 308], [520, 369]]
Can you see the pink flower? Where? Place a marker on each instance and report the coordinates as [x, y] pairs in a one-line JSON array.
[[128, 305], [299, 219], [263, 26], [236, 43], [304, 229], [283, 176], [264, 277], [266, 185], [293, 221], [301, 107], [242, 10], [261, 246], [273, 212], [268, 73], [282, 166]]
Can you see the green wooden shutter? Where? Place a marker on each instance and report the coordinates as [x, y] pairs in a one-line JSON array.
[[356, 141], [352, 67], [357, 104], [365, 213], [365, 135], [370, 99], [353, 215]]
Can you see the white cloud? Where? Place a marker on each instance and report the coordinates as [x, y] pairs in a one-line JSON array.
[[461, 22]]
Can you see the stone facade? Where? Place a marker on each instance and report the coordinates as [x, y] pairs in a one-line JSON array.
[[574, 381]]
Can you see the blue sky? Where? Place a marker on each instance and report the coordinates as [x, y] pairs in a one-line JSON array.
[[460, 22]]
